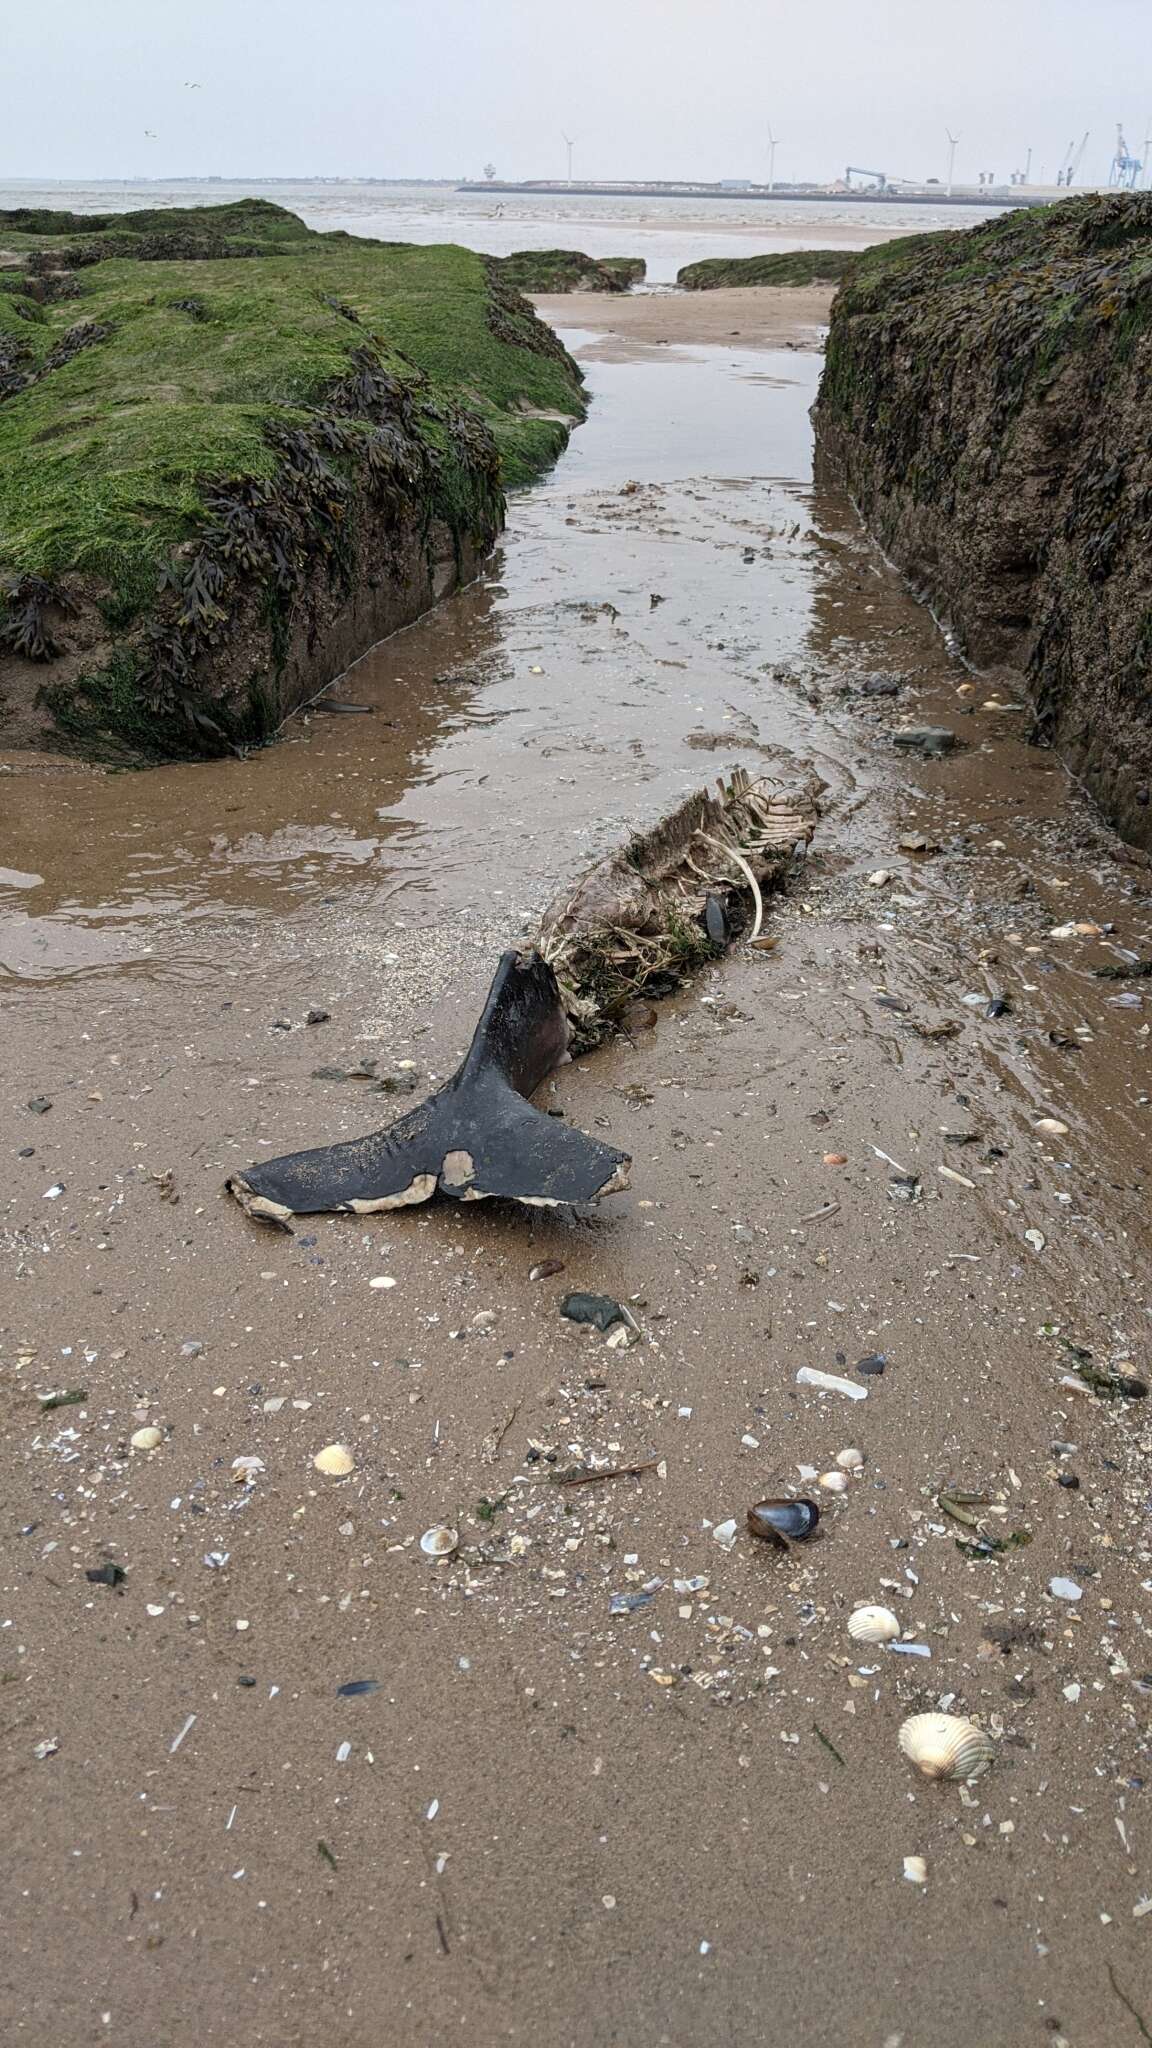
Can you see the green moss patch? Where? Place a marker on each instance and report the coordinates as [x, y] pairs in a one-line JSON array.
[[789, 267], [144, 389], [567, 270]]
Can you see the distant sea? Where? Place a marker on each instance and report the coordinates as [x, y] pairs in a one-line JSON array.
[[666, 232]]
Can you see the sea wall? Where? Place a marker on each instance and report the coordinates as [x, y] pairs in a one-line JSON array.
[[985, 399], [234, 454]]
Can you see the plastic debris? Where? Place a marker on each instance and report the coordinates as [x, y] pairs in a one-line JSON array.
[[829, 1383]]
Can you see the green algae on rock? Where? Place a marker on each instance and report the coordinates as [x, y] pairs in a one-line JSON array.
[[786, 267], [235, 453], [985, 400], [567, 270]]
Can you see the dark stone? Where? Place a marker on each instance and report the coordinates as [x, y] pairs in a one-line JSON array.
[[928, 740], [597, 1309]]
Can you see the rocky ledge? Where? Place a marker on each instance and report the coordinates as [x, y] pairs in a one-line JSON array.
[[234, 454], [985, 399]]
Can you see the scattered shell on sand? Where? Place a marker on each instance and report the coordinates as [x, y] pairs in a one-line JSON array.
[[850, 1459], [439, 1542], [335, 1461], [915, 1870], [779, 1521], [944, 1746], [1051, 1127], [873, 1625], [246, 1470], [148, 1439], [1065, 1589], [834, 1482]]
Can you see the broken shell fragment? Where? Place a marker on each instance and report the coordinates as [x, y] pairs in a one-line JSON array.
[[915, 1870], [944, 1746], [439, 1542], [780, 1521], [246, 1470], [850, 1459], [873, 1625], [335, 1461], [834, 1482], [1051, 1127], [148, 1439]]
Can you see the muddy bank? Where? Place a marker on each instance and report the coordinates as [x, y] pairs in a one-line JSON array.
[[985, 400], [234, 454]]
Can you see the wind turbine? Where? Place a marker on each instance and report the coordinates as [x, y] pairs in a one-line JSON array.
[[571, 141], [772, 140], [952, 142]]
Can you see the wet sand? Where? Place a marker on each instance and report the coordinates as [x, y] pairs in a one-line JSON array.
[[641, 1823], [636, 323]]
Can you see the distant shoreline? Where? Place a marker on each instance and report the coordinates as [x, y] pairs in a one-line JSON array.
[[779, 194]]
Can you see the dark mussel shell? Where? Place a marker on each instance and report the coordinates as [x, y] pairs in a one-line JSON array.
[[715, 922], [777, 1521]]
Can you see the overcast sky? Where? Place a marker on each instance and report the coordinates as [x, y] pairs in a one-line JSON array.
[[650, 88]]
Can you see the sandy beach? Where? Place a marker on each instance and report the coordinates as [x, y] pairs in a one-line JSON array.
[[608, 1769]]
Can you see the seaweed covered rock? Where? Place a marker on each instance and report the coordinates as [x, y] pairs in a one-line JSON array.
[[567, 270], [233, 454], [786, 267], [985, 399]]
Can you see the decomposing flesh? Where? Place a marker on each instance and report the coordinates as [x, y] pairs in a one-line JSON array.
[[648, 910]]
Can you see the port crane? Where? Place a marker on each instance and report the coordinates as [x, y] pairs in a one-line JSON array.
[[1073, 157], [1125, 168], [855, 171]]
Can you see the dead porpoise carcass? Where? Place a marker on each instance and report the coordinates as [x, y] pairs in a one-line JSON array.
[[477, 1138]]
